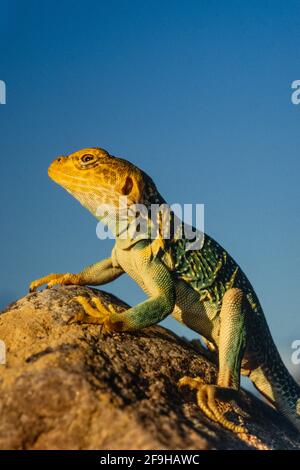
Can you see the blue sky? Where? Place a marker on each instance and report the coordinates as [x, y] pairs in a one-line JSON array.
[[196, 93]]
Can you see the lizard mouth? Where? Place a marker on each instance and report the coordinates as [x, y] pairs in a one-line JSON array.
[[66, 180], [57, 175], [55, 167], [88, 194]]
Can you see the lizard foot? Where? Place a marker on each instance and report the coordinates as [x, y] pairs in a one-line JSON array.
[[206, 399], [98, 311], [53, 279]]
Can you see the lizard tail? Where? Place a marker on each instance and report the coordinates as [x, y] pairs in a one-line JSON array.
[[274, 381]]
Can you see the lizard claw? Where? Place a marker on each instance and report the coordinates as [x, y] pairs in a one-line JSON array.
[[98, 313], [98, 310], [53, 279], [206, 399]]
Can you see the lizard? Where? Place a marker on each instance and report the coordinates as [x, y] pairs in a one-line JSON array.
[[205, 289]]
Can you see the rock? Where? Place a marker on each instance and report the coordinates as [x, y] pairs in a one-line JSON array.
[[65, 385]]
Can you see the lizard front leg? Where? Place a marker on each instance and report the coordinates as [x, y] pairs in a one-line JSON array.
[[161, 302], [94, 275], [232, 342]]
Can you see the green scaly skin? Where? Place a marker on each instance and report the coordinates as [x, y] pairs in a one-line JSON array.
[[204, 289]]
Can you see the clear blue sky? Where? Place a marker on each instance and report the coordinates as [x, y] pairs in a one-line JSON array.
[[196, 93]]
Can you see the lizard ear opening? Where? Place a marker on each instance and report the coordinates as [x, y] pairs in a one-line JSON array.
[[127, 187], [132, 187]]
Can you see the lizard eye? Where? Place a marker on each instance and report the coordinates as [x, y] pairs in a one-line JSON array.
[[87, 158]]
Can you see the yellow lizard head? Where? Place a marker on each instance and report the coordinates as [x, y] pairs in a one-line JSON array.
[[95, 177]]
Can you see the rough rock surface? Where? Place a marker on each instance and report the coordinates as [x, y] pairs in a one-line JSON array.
[[65, 385]]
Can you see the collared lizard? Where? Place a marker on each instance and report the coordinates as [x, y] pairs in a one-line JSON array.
[[205, 288]]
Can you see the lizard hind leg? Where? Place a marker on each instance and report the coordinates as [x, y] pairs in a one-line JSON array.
[[232, 341]]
